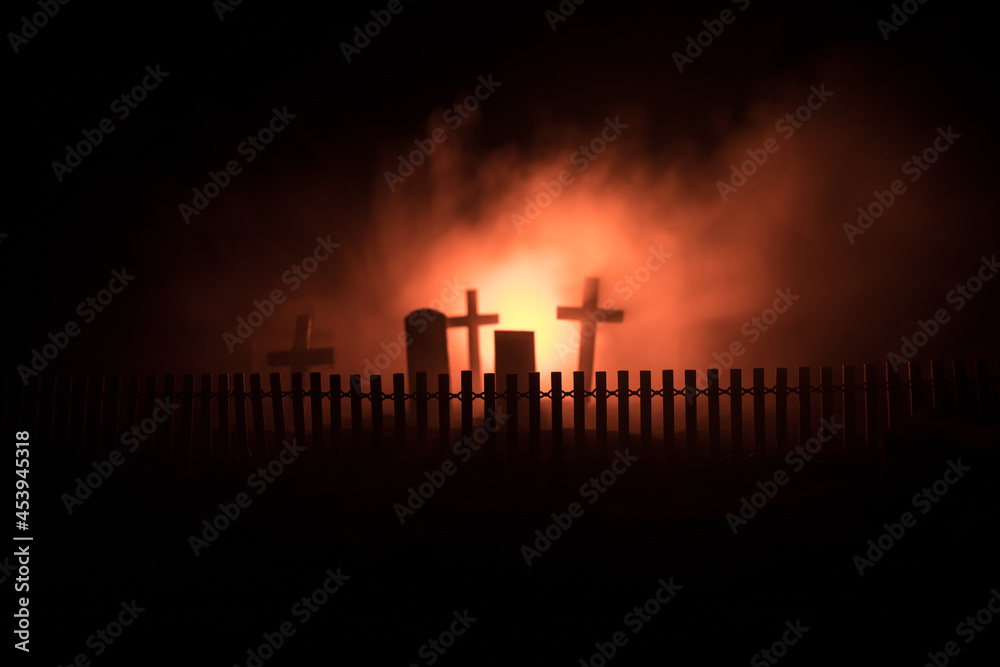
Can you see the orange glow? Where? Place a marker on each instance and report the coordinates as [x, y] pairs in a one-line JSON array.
[[525, 297]]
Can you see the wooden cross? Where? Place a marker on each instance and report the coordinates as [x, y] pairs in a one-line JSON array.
[[588, 312], [301, 356], [473, 320]]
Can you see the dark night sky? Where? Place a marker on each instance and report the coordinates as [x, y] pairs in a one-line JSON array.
[[323, 175]]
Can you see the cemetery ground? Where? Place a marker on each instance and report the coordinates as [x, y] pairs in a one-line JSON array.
[[393, 590]]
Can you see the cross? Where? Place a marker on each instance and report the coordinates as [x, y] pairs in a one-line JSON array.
[[473, 320], [588, 312], [301, 356]]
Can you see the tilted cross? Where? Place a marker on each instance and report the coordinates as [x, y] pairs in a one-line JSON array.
[[472, 321], [588, 312], [301, 355]]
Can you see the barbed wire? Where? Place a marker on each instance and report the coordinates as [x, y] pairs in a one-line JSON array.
[[972, 384]]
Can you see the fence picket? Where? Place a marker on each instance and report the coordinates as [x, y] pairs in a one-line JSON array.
[[316, 414], [241, 444], [579, 416], [357, 426], [490, 408], [964, 396], [805, 405], [781, 409], [511, 400], [826, 393], [893, 396], [203, 446], [534, 417], [939, 384], [691, 413], [336, 412], [759, 425], [466, 401], [225, 451], [646, 413], [601, 390], [714, 425], [378, 421], [736, 413], [399, 408], [669, 427], [871, 407], [421, 397], [850, 440], [299, 410], [444, 414], [259, 452], [277, 411], [186, 428]]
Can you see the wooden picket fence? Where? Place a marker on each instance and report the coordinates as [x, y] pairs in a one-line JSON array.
[[235, 418]]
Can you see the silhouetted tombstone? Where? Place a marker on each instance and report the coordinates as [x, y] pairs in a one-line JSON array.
[[300, 357], [472, 321], [589, 315], [427, 333], [515, 353]]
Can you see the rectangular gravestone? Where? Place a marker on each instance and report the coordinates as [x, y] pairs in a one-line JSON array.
[[515, 353], [427, 349]]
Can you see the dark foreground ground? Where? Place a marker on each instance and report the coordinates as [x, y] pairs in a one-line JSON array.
[[461, 552]]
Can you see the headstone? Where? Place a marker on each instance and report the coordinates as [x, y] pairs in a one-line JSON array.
[[301, 356], [589, 316], [472, 321], [515, 353], [427, 333]]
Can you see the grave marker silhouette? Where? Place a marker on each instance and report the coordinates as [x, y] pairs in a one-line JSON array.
[[588, 313], [427, 333], [514, 353], [301, 356], [472, 321]]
